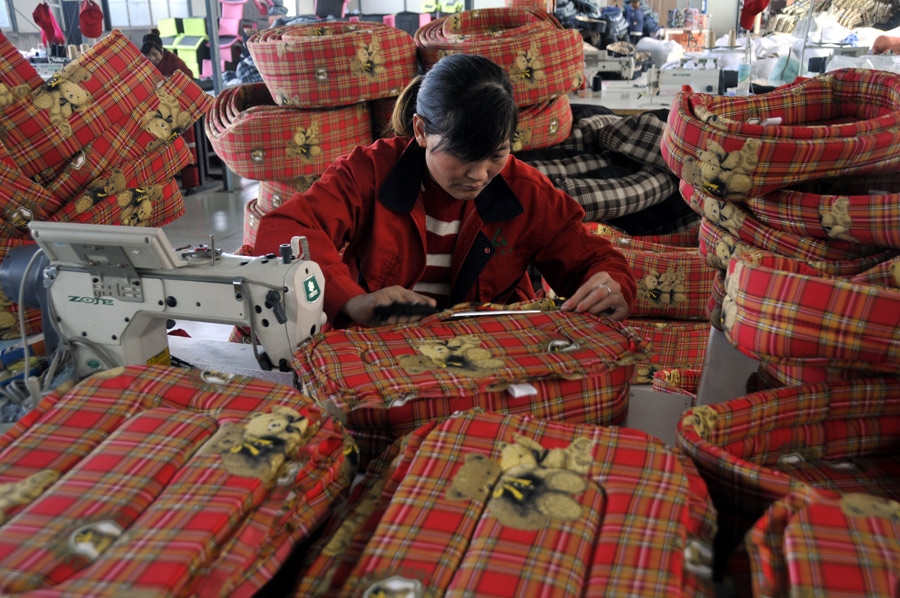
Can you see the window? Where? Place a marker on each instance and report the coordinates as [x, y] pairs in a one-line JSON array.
[[144, 13]]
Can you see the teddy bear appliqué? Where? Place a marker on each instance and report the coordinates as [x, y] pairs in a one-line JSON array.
[[529, 486], [61, 95], [167, 121], [305, 143], [460, 355], [259, 448], [14, 494], [836, 220], [725, 175]]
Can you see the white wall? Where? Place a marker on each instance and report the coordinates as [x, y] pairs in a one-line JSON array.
[[26, 7], [722, 16]]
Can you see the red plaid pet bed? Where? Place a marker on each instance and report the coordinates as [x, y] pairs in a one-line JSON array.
[[381, 111], [490, 506], [45, 126], [775, 375], [387, 381], [673, 282], [320, 65], [718, 246], [267, 142], [274, 193], [716, 297], [678, 381], [844, 122], [817, 543], [857, 209], [744, 226], [685, 238], [543, 125], [782, 310], [672, 344], [543, 59], [151, 481], [756, 449]]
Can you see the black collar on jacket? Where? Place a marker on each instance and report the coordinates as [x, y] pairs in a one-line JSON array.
[[400, 188]]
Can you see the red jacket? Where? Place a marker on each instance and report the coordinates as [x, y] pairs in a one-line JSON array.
[[370, 201]]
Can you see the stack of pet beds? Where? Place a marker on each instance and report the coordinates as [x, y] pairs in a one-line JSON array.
[[98, 142], [529, 358], [153, 481], [798, 191], [489, 505], [544, 61], [805, 480], [322, 84], [674, 284]]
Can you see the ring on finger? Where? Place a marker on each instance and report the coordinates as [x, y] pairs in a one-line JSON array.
[[608, 290]]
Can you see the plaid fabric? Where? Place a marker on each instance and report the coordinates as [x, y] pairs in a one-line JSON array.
[[543, 125], [718, 246], [680, 381], [603, 197], [387, 381], [14, 69], [267, 142], [673, 282], [782, 310], [637, 526], [543, 59], [381, 111], [716, 297], [343, 538], [252, 216], [320, 65], [274, 193], [775, 375], [48, 125], [756, 449], [142, 494], [686, 238], [21, 200], [815, 543], [673, 345], [856, 209], [135, 136], [844, 122], [140, 193], [746, 228]]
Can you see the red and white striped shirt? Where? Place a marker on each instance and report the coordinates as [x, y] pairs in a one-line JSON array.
[[443, 214]]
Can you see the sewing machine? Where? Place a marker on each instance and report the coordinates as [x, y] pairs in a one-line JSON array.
[[112, 289], [600, 63], [705, 77]]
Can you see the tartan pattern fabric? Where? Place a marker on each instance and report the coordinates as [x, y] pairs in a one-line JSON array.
[[643, 519], [142, 192], [775, 375], [718, 246], [131, 139], [261, 141], [816, 543], [101, 88], [543, 125], [782, 310], [673, 345], [252, 216], [602, 197], [844, 122], [686, 238], [22, 199], [858, 209], [716, 297], [385, 382], [543, 60], [321, 65], [274, 193], [14, 69], [743, 226], [680, 381], [756, 449], [139, 498], [673, 282]]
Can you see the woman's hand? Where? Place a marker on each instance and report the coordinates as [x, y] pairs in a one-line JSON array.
[[361, 308], [600, 294], [886, 44]]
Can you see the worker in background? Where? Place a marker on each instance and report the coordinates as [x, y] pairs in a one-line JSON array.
[[167, 63], [885, 44], [443, 214], [635, 17]]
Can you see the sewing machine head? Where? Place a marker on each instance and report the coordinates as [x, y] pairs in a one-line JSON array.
[[112, 289]]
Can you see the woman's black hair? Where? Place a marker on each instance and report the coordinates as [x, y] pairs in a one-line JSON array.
[[151, 41], [466, 100]]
